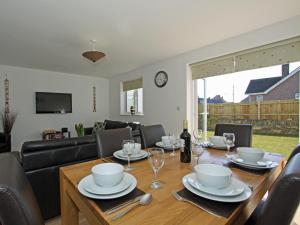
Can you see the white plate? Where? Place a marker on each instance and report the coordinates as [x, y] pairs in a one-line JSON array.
[[84, 182], [233, 158], [118, 155], [92, 187], [166, 147], [239, 198], [236, 187], [121, 153], [222, 147]]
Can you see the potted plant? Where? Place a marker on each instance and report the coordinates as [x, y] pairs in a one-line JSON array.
[[8, 119]]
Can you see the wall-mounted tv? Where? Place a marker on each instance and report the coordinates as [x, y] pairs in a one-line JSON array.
[[48, 102]]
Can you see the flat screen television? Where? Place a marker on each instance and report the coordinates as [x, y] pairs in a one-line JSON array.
[[48, 102]]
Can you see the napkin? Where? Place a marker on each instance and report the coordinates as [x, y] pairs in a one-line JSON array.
[[223, 209], [107, 204]]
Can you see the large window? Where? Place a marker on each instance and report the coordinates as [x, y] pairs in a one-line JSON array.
[[132, 97], [258, 86]]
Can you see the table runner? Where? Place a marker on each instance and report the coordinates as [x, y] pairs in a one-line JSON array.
[[107, 204], [223, 209]]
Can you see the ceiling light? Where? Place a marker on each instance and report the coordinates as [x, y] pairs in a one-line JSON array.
[[93, 55]]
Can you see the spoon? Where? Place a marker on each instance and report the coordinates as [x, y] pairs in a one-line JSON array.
[[145, 200]]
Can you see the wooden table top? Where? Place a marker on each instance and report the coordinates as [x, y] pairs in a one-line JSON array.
[[164, 208]]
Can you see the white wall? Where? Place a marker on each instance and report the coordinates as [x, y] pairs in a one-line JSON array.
[[160, 104], [25, 82]]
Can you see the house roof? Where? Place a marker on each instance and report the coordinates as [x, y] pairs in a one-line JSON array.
[[261, 85], [264, 85]]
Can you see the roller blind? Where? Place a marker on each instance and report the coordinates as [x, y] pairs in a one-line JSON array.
[[277, 53], [132, 84]]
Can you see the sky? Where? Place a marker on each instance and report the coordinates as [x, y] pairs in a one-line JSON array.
[[226, 85]]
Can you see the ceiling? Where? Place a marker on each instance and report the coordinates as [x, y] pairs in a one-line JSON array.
[[52, 34]]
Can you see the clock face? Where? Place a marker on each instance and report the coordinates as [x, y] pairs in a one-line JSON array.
[[161, 79]]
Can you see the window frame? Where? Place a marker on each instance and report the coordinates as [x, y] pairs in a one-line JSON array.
[[123, 102]]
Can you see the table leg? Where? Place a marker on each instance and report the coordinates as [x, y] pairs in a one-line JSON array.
[[69, 211]]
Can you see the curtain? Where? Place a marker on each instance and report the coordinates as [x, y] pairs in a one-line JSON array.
[[132, 84], [277, 53]]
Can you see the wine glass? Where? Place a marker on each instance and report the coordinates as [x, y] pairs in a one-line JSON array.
[[229, 139], [198, 136], [128, 149], [172, 140], [197, 151], [156, 160]]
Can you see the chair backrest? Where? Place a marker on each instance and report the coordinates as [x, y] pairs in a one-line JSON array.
[[242, 132], [284, 197], [294, 152], [151, 134], [109, 141], [18, 205]]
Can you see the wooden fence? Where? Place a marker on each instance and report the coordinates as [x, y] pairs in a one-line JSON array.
[[268, 110]]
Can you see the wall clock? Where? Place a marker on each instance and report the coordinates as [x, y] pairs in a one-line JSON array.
[[161, 79]]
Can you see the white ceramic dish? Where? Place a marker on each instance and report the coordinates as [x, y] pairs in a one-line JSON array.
[[119, 155], [98, 190], [140, 154], [239, 198], [236, 187], [217, 140], [84, 182], [108, 174], [233, 159], [251, 155], [213, 175], [166, 147]]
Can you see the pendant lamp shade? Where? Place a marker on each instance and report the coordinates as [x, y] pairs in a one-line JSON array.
[[93, 55]]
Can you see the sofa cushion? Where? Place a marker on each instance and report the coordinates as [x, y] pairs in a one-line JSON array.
[[110, 124], [32, 146]]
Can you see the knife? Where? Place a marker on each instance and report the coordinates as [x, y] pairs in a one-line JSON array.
[[121, 206]]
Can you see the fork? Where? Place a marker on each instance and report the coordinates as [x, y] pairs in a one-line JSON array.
[[182, 199]]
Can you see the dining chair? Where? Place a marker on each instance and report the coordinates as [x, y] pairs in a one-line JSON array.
[[109, 141], [18, 204], [283, 199], [294, 152], [151, 134], [242, 132]]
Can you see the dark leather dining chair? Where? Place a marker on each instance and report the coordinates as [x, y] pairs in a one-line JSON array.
[[294, 152], [109, 141], [18, 205], [283, 199], [242, 132], [151, 134]]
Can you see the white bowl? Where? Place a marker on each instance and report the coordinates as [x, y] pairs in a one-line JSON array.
[[250, 154], [212, 175], [108, 174], [137, 148], [217, 140]]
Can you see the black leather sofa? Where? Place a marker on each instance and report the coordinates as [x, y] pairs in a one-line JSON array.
[[112, 124], [42, 160]]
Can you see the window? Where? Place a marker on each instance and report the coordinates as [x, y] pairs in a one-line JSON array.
[[297, 96], [259, 98], [132, 97]]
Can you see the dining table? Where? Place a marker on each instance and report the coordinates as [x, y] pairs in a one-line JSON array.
[[164, 209]]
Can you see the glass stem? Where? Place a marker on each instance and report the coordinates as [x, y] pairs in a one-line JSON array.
[[128, 157], [228, 149], [155, 176], [173, 149]]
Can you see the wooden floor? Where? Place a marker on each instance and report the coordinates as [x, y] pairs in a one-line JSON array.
[[82, 220]]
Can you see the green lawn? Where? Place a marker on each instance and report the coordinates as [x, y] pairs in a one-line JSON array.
[[282, 145]]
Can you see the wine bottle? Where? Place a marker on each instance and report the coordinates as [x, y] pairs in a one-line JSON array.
[[185, 154]]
